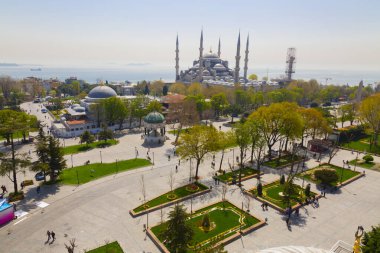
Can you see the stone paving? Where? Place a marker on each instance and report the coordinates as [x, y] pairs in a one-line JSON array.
[[98, 211]]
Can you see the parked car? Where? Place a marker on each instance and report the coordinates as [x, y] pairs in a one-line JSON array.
[[44, 110], [39, 176]]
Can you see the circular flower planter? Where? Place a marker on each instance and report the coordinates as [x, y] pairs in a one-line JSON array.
[[192, 188], [171, 196]]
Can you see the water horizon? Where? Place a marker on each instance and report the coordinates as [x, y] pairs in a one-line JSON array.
[[151, 73]]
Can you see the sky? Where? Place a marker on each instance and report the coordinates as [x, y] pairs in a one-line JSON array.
[[337, 34]]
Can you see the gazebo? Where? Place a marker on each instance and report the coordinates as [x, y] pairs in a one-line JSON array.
[[154, 128]]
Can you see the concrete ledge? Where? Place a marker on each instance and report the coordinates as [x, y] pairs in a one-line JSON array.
[[351, 180], [155, 208]]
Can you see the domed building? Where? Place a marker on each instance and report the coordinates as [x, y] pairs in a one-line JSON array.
[[211, 68], [99, 93], [154, 128]]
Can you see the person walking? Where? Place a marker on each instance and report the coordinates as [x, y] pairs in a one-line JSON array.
[[53, 236], [48, 235], [38, 189], [179, 162], [176, 169]]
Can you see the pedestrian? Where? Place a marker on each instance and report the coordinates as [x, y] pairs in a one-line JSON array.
[[297, 212], [53, 236], [22, 185], [263, 206], [176, 169], [216, 180], [288, 221], [38, 189], [48, 235], [168, 157], [179, 162], [4, 188], [266, 206]]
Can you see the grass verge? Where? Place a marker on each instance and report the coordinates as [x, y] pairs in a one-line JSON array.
[[83, 147], [113, 247]]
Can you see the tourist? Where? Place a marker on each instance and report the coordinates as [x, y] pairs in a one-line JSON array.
[[53, 236], [297, 212], [22, 185], [263, 206], [38, 189], [176, 169], [4, 189], [179, 162], [48, 235], [266, 206], [168, 157]]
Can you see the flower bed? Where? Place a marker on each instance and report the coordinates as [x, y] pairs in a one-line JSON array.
[[228, 222], [282, 161], [12, 197], [247, 173], [179, 194]]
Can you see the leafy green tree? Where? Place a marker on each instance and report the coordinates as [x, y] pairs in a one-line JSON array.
[[43, 153], [197, 143], [347, 113], [87, 138], [165, 90], [56, 160], [326, 176], [290, 191], [258, 144], [98, 112], [243, 141], [105, 135], [252, 77], [194, 89], [219, 103], [369, 112], [371, 241], [178, 88], [178, 233], [225, 141], [154, 106]]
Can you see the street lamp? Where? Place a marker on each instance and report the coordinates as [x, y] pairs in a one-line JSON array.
[[190, 171], [341, 175], [101, 159]]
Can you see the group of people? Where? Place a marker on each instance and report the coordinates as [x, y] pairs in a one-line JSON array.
[[4, 189], [50, 235], [312, 201], [264, 206]]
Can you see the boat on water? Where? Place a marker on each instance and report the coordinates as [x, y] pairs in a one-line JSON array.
[[35, 69]]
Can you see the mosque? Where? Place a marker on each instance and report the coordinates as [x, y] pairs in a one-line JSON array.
[[210, 68]]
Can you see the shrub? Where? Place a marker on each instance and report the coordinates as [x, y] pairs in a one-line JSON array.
[[326, 176], [371, 240], [307, 190], [282, 179], [206, 222], [27, 182], [314, 104], [260, 189], [368, 158], [14, 197]]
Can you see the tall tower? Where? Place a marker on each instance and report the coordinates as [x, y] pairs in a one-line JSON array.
[[177, 60], [237, 57], [359, 92], [246, 59], [290, 62], [200, 57], [219, 52]]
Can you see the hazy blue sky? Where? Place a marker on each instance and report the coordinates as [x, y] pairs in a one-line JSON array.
[[327, 33]]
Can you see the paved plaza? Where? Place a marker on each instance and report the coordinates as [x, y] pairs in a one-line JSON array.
[[98, 211]]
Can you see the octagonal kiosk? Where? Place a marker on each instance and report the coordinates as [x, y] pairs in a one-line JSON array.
[[154, 129]]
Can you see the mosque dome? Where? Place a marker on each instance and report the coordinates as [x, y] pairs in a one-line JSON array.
[[154, 118], [102, 91], [210, 55], [205, 72], [219, 66]]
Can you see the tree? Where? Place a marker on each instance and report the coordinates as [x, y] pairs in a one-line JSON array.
[[314, 123], [326, 176], [56, 160], [43, 153], [219, 103], [225, 141], [154, 106], [178, 88], [156, 88], [98, 112], [347, 113], [197, 143], [371, 241], [369, 112], [87, 138], [105, 134], [178, 233], [194, 89], [292, 123], [243, 140], [115, 110], [258, 144], [252, 77], [70, 248], [12, 122], [165, 90]]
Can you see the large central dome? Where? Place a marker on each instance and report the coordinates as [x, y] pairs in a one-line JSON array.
[[102, 91], [210, 55]]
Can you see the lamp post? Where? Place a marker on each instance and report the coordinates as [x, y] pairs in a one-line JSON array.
[[341, 175], [356, 160], [190, 171], [153, 158], [101, 159]]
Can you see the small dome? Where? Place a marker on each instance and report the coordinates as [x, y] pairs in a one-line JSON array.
[[154, 118], [79, 109], [75, 105], [102, 92], [210, 55], [205, 72], [219, 66]]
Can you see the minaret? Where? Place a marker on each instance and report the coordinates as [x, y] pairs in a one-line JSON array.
[[200, 57], [219, 49], [177, 60], [246, 59], [237, 57]]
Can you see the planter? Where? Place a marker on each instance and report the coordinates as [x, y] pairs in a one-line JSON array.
[[15, 197]]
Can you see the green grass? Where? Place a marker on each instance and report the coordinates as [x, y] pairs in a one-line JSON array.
[[271, 193], [225, 219], [363, 145], [246, 171], [18, 135], [83, 147], [363, 164], [175, 131], [167, 197], [112, 247], [282, 161], [87, 173], [343, 174]]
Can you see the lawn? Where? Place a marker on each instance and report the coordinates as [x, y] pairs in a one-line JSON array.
[[362, 163], [90, 172], [273, 193], [83, 147], [228, 177], [170, 196], [363, 145], [18, 135], [343, 174], [225, 222], [282, 161], [113, 247]]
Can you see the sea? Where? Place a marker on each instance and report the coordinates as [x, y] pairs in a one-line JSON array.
[[150, 73]]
